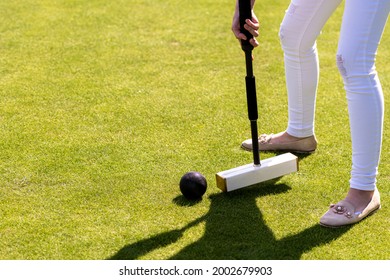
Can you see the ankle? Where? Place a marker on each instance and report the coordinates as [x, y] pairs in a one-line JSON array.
[[359, 198], [290, 137]]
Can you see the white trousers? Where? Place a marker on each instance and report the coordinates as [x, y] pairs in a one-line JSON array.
[[362, 27]]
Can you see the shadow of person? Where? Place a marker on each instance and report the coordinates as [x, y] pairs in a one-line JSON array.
[[235, 229]]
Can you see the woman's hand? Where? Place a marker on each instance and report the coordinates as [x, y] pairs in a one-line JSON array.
[[251, 25]]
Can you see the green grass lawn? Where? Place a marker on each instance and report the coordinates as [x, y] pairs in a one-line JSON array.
[[104, 105]]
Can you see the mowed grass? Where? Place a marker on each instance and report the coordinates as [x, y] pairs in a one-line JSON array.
[[104, 105]]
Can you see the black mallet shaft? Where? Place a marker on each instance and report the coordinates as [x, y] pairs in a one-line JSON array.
[[245, 11]]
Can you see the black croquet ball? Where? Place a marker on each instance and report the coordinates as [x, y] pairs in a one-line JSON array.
[[193, 185]]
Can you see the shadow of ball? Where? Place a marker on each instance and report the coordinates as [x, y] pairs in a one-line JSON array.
[[193, 185]]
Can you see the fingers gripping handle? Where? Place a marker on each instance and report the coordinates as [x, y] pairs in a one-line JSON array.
[[245, 10]]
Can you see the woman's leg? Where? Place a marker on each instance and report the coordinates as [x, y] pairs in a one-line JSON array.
[[299, 30], [362, 28]]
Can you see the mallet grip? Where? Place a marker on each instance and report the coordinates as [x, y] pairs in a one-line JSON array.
[[245, 10]]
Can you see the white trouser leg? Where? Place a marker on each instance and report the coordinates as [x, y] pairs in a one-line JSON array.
[[362, 28], [301, 25]]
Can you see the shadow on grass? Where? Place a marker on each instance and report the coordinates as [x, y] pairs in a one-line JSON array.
[[300, 156], [235, 229]]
